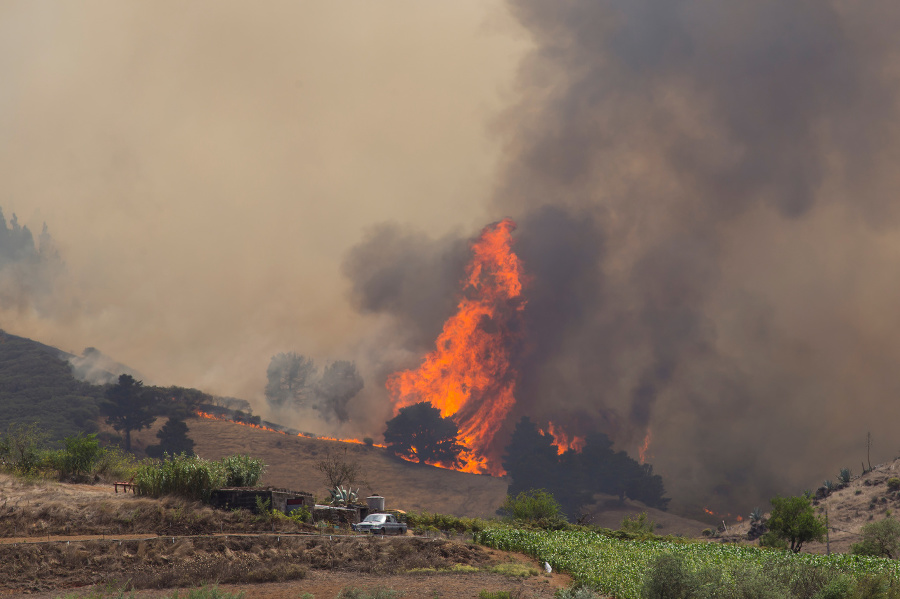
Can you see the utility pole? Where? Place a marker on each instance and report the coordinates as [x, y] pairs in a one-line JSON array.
[[869, 449]]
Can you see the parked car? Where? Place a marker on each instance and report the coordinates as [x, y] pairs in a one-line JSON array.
[[384, 524]]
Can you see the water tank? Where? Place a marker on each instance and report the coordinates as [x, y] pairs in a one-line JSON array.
[[375, 503]]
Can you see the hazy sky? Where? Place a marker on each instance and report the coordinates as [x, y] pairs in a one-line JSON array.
[[204, 167]]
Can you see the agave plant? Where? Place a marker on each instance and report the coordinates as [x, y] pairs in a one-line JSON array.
[[844, 475], [756, 516], [829, 485], [342, 496]]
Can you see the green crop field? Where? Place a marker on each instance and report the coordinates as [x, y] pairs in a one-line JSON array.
[[618, 567]]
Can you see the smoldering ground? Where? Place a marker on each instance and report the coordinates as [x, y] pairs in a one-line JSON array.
[[706, 200]]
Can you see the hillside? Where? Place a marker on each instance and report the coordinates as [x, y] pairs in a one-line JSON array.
[[864, 499], [405, 485], [37, 385], [292, 460]]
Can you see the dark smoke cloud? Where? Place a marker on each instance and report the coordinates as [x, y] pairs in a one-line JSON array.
[[409, 275], [706, 200], [696, 134]]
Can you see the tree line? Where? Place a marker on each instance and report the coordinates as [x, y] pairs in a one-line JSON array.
[[532, 461]]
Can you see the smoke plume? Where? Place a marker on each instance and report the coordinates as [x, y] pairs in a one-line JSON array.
[[705, 194]]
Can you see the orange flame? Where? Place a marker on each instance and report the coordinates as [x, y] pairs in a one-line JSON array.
[[642, 452], [468, 375], [562, 440], [709, 511], [275, 430]]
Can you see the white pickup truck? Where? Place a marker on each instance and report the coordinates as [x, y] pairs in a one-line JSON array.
[[385, 524]]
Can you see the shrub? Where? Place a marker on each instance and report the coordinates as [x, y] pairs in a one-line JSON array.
[[536, 506], [187, 476], [242, 471], [893, 483], [22, 448], [879, 539], [794, 520], [638, 524], [668, 578], [79, 457], [369, 441], [115, 464], [829, 485], [844, 476]]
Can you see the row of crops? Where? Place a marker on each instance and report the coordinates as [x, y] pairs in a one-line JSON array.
[[618, 567]]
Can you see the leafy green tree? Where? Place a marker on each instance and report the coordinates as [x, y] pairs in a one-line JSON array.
[[339, 384], [880, 539], [173, 439], [129, 407], [794, 521], [79, 457], [534, 505], [419, 432], [290, 379]]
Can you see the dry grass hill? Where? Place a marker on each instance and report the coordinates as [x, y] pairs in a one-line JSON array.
[[412, 487], [864, 499], [291, 464]]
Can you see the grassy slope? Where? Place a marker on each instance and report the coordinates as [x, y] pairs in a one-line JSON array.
[[292, 461]]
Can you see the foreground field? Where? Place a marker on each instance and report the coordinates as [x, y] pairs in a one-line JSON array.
[[81, 540], [619, 567]]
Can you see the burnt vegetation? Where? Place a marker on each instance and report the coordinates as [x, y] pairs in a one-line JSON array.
[[573, 478]]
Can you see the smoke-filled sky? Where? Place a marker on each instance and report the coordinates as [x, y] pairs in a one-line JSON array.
[[204, 167], [705, 195]]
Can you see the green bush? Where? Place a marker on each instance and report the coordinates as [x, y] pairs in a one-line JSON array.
[[22, 448], [242, 471], [195, 478], [115, 464], [638, 524], [79, 458], [186, 476], [536, 506], [879, 539], [794, 520], [893, 483], [424, 520]]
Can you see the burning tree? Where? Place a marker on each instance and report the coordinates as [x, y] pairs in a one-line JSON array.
[[469, 374], [419, 433]]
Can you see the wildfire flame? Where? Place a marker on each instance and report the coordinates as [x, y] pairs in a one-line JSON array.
[[275, 430], [468, 375], [562, 440], [642, 452]]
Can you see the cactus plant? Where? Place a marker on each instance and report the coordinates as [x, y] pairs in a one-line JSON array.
[[844, 476]]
